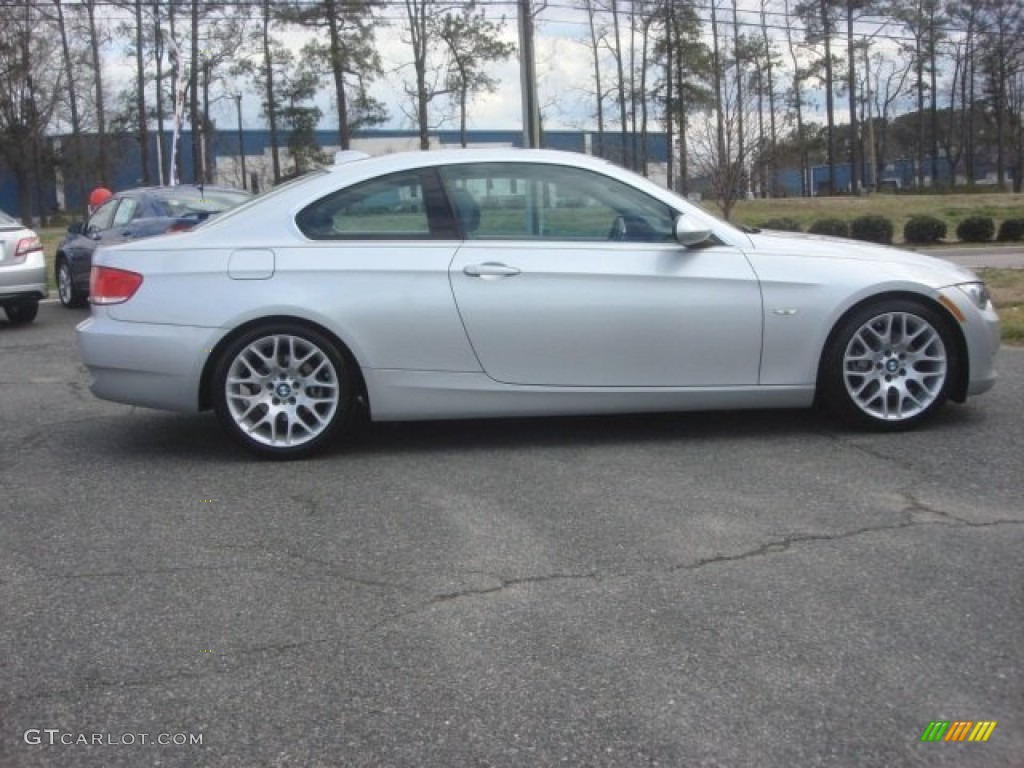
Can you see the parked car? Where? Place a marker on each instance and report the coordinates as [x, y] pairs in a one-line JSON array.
[[483, 283], [131, 215], [22, 270]]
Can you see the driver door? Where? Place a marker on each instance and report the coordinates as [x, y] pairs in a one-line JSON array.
[[567, 277]]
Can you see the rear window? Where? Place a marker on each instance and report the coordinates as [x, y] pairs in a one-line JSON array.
[[189, 202], [8, 221]]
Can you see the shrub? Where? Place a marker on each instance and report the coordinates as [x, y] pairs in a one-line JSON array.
[[783, 224], [831, 227], [1011, 230], [872, 228], [924, 229], [976, 229]]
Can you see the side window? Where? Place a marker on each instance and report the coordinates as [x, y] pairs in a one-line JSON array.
[[102, 217], [393, 206], [125, 211], [535, 201]]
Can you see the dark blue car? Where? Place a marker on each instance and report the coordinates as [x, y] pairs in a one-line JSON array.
[[130, 215]]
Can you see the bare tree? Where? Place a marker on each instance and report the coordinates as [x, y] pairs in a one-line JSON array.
[[429, 71], [473, 41], [95, 35], [717, 148], [31, 78], [596, 41], [69, 62]]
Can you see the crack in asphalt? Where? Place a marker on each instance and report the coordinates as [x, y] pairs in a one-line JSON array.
[[232, 660], [510, 583], [787, 541], [503, 584], [333, 569], [915, 505], [135, 573]]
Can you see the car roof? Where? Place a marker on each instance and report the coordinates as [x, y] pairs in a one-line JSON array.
[[168, 190], [421, 159]]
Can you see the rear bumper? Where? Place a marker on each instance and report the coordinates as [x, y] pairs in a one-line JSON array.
[[25, 281], [155, 366]]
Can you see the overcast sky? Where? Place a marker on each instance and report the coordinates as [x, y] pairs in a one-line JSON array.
[[564, 67]]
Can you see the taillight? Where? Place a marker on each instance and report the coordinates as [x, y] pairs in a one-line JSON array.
[[112, 286], [181, 226], [26, 246]]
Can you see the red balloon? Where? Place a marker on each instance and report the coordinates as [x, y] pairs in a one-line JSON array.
[[99, 196]]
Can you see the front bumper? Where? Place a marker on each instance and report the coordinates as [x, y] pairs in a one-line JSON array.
[[155, 366], [980, 328]]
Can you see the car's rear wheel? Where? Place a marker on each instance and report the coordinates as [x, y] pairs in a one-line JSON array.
[[890, 365], [19, 312], [69, 295], [283, 390]]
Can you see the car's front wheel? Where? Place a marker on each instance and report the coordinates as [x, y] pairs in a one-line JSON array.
[[69, 295], [21, 312], [890, 365], [283, 390]]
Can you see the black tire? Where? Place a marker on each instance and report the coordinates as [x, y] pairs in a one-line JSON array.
[[70, 297], [256, 377], [890, 365], [21, 312]]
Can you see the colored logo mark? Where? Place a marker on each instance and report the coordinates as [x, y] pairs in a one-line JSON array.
[[958, 730]]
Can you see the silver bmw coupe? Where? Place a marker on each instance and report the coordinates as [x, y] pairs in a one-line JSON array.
[[483, 283]]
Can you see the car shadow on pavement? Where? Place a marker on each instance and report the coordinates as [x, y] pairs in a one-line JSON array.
[[198, 437], [609, 430]]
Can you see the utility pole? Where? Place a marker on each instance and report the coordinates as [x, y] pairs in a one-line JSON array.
[[870, 181], [241, 147], [528, 77]]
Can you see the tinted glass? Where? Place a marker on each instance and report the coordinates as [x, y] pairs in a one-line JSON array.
[[188, 201], [125, 211], [391, 206], [103, 217], [537, 201]]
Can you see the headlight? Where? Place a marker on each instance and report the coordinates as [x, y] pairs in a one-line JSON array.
[[977, 293]]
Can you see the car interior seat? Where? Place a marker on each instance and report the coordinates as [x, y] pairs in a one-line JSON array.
[[467, 210]]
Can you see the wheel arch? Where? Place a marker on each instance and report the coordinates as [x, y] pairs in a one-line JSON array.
[[206, 377], [958, 388]]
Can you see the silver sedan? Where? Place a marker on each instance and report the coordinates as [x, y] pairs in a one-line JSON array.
[[22, 271], [482, 283]]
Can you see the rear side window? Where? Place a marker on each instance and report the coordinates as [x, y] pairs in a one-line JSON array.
[[125, 211], [400, 206]]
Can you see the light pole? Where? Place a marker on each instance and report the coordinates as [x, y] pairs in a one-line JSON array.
[[528, 77], [241, 148]]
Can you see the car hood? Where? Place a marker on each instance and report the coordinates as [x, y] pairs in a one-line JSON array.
[[939, 271]]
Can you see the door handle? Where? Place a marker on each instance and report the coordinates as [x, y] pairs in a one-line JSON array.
[[490, 269]]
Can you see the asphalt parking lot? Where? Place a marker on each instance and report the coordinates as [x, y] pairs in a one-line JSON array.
[[761, 589]]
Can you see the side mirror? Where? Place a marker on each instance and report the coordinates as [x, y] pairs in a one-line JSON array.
[[76, 227], [687, 234]]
